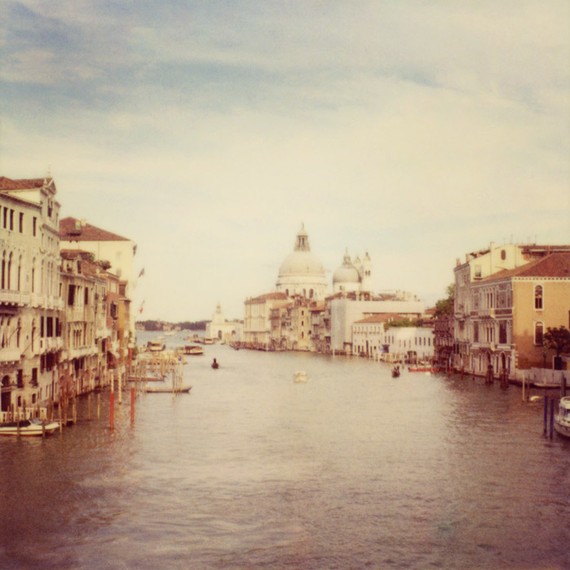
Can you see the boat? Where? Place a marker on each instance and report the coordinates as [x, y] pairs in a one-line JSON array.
[[155, 346], [193, 350], [395, 372], [562, 418], [30, 427], [215, 364], [300, 377], [208, 340], [167, 389], [423, 368]]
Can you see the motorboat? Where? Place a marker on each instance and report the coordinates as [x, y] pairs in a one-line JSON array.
[[193, 350], [29, 427], [300, 377], [562, 418], [208, 340], [155, 346]]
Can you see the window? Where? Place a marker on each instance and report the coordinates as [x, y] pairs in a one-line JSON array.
[[475, 332], [34, 226], [539, 333], [502, 332], [503, 255], [538, 303], [21, 223]]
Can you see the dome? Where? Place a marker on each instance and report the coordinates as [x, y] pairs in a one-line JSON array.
[[346, 273], [301, 263], [301, 272]]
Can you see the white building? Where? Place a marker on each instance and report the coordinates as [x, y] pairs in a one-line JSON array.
[[375, 338], [76, 234], [30, 303], [223, 330], [347, 310]]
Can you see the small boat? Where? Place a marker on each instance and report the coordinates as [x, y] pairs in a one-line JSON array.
[[395, 372], [215, 364], [423, 368], [167, 389], [562, 418], [155, 346], [208, 340], [29, 427], [193, 350], [300, 377]]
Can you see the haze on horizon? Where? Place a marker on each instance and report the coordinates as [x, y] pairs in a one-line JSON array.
[[208, 132]]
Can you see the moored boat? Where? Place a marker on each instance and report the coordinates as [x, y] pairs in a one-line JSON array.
[[562, 418], [423, 369], [167, 389], [32, 427], [155, 346], [193, 350]]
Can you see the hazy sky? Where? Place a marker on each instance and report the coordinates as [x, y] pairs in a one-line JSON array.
[[207, 132]]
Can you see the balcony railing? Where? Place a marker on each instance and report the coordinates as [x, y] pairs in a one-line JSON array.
[[18, 298]]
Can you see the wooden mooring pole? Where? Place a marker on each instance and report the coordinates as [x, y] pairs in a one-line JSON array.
[[551, 418], [112, 410], [132, 406]]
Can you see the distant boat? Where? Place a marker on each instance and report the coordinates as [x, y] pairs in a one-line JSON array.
[[562, 418], [423, 368], [208, 340], [33, 427], [300, 377], [155, 346], [215, 364], [395, 372], [193, 350]]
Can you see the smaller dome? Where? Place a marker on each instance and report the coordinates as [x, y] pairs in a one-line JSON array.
[[346, 273]]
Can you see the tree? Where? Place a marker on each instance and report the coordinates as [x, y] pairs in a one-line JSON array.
[[558, 339], [444, 307]]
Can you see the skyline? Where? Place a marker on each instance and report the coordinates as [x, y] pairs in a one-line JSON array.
[[208, 134]]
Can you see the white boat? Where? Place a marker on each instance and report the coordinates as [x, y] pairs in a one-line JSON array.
[[29, 427], [300, 377], [193, 350], [562, 418]]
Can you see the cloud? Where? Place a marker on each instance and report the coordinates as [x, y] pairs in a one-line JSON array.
[[208, 132]]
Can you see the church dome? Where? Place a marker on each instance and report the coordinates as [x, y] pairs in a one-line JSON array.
[[346, 273], [301, 272], [301, 263]]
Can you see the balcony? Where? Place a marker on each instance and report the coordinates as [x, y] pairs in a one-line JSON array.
[[51, 344], [10, 355], [17, 298], [487, 313]]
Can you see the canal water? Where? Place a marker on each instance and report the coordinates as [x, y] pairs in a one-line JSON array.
[[353, 469]]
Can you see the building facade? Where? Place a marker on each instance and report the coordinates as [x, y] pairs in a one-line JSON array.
[[30, 302], [499, 322]]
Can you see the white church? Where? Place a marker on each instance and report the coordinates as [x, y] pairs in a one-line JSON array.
[[292, 317]]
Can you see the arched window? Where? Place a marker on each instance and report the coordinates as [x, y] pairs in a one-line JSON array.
[[539, 333], [538, 301]]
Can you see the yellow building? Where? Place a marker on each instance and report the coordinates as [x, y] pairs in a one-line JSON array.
[[510, 312]]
